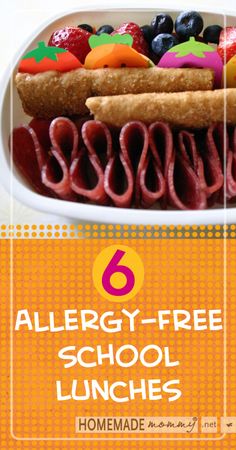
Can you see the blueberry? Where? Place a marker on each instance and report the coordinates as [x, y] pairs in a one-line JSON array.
[[86, 27], [162, 23], [212, 34], [162, 43], [189, 23], [148, 33], [105, 29]]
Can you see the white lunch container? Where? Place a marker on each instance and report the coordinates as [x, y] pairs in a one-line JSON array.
[[12, 115]]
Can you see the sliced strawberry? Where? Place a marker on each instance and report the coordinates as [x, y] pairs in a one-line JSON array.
[[227, 44], [73, 39], [139, 43]]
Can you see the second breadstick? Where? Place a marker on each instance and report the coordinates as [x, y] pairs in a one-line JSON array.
[[183, 109]]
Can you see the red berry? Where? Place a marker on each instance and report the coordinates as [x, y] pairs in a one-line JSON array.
[[73, 39], [227, 44], [139, 43]]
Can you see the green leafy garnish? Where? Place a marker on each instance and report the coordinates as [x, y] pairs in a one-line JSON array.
[[196, 48], [42, 51], [104, 38]]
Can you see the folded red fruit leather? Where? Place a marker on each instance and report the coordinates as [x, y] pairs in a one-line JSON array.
[[29, 158], [144, 164], [135, 166], [186, 182], [109, 174], [161, 145], [182, 167], [188, 150], [87, 169], [118, 181], [222, 141], [184, 188], [58, 143], [64, 147], [231, 166], [213, 155]]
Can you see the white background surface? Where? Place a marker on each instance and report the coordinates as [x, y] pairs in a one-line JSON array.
[[19, 18]]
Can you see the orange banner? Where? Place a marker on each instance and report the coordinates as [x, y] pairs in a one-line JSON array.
[[122, 339]]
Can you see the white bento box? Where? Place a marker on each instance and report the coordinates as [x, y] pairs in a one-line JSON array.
[[12, 115]]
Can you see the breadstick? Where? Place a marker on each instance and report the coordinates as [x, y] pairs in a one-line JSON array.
[[138, 81], [186, 109], [52, 94]]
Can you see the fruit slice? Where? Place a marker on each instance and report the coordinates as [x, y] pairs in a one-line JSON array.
[[139, 43], [115, 55], [73, 39], [227, 45]]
